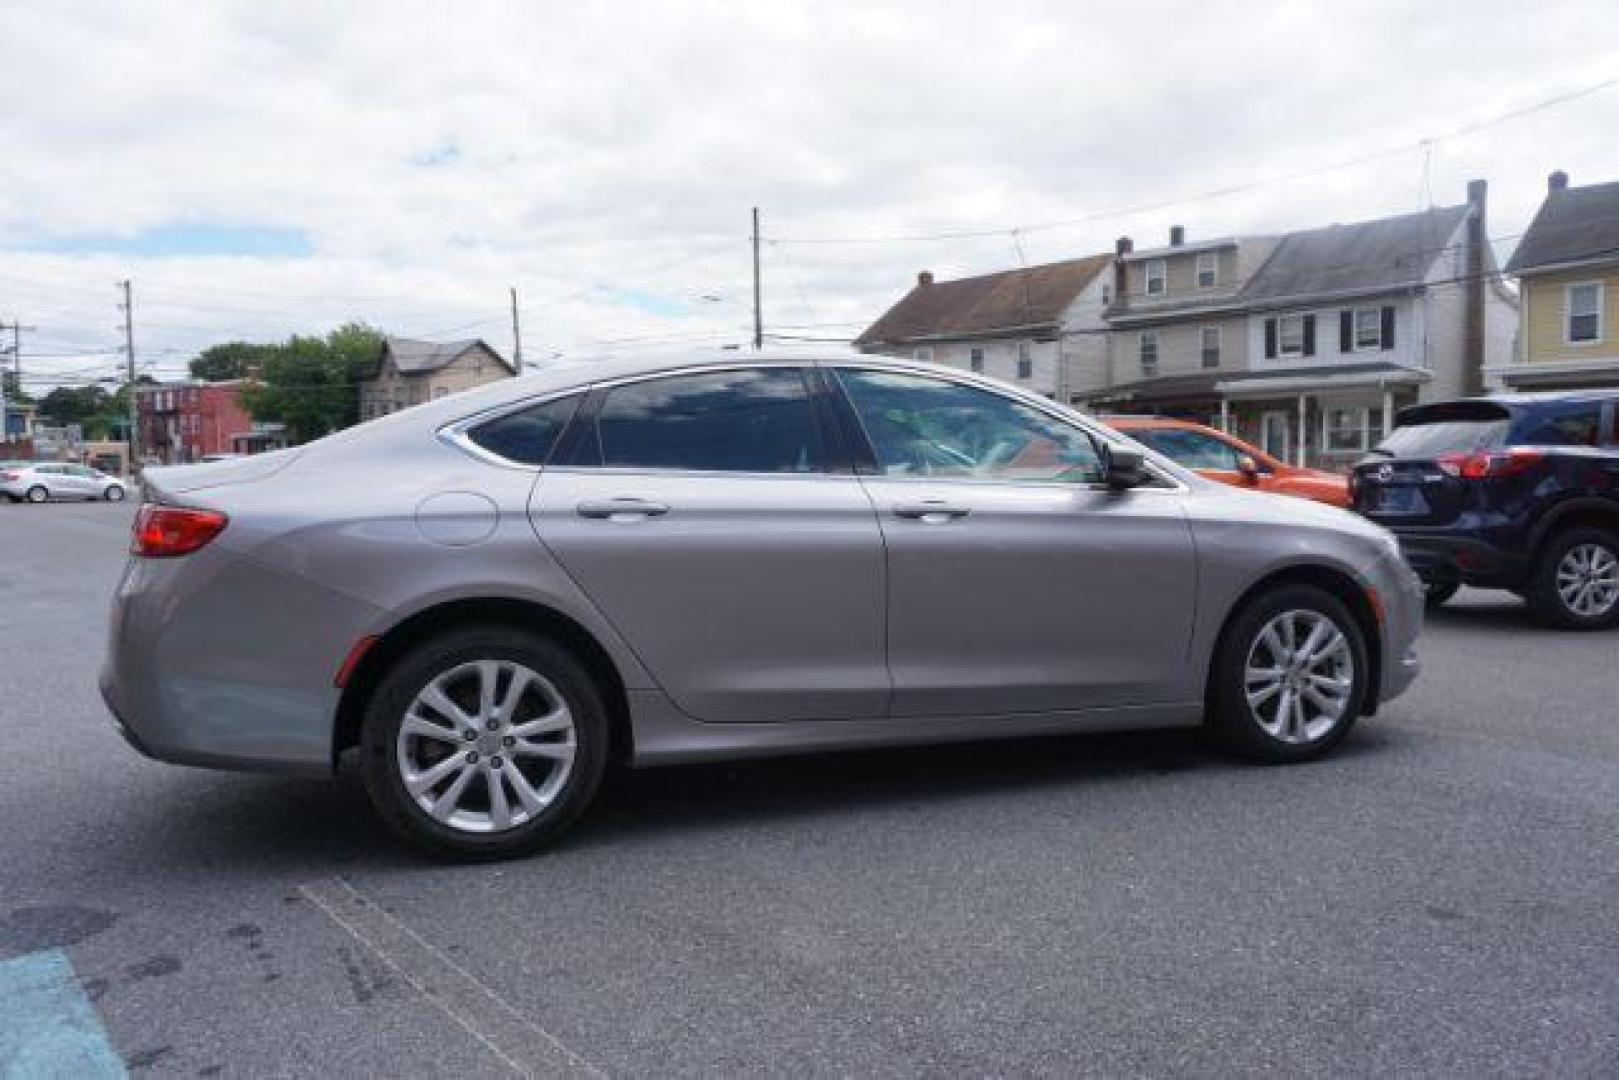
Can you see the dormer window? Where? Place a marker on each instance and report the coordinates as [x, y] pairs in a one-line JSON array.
[[1155, 277], [1208, 270]]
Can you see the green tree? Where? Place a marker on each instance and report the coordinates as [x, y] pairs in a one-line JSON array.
[[74, 405], [230, 360], [311, 384]]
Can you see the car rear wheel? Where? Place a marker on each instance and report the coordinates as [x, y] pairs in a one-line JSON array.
[[1290, 676], [484, 743], [38, 494], [114, 493], [1576, 581]]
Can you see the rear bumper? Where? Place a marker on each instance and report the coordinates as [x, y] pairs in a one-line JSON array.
[[1468, 559]]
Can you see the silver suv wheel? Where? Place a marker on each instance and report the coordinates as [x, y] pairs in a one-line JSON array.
[[1588, 580]]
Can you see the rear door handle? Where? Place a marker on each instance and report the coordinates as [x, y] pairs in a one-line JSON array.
[[624, 509], [930, 511]]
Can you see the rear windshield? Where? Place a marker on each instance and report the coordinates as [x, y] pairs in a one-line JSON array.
[[1458, 427]]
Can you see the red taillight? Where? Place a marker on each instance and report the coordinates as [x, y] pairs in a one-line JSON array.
[[162, 532], [8, 476], [1488, 466]]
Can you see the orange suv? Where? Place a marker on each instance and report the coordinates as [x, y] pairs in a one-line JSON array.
[[1222, 457]]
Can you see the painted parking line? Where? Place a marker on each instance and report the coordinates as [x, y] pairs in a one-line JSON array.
[[48, 1028]]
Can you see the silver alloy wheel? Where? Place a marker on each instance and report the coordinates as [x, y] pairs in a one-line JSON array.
[[1588, 580], [1299, 676], [115, 493], [486, 746], [37, 494]]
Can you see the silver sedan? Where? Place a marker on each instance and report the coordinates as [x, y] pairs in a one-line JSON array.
[[43, 481], [492, 595]]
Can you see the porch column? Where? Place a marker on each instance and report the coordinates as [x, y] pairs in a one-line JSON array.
[[1304, 430], [1225, 414], [1388, 410]]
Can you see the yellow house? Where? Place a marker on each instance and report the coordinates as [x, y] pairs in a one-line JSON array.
[[1568, 272]]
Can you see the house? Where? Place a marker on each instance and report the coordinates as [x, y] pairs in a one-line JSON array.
[[1040, 326], [1307, 344], [411, 372], [184, 422], [1567, 266]]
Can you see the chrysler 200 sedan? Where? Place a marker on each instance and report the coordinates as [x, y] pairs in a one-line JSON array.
[[492, 595]]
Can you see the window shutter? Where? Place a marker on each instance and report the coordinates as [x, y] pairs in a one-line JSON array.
[[1388, 326], [1270, 339], [1309, 335], [1346, 331]]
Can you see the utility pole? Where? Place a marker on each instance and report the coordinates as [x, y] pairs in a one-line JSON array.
[[758, 311], [129, 355], [517, 337]]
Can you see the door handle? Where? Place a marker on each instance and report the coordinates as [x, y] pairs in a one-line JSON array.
[[622, 509], [930, 511]]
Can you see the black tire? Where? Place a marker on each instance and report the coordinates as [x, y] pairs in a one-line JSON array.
[[1544, 598], [114, 493], [1438, 592], [37, 494], [1232, 719], [412, 672]]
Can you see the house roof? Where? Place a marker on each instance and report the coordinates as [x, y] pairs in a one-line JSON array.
[[1369, 256], [1029, 297], [420, 357], [1573, 225], [1209, 384]]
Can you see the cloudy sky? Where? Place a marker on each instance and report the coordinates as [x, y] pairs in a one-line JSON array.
[[261, 169]]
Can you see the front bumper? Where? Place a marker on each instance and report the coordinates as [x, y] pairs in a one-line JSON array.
[[1400, 592]]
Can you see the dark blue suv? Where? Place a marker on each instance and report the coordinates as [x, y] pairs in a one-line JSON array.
[[1516, 492]]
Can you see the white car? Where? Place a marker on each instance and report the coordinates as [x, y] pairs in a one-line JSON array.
[[41, 481]]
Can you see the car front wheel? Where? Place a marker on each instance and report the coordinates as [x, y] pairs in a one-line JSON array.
[[1576, 581], [1290, 676], [484, 743]]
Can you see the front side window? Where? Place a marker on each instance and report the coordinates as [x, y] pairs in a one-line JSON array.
[[1208, 270], [755, 420], [1193, 449], [526, 437], [934, 428], [1584, 305], [1368, 328], [1290, 335], [1148, 351], [1155, 277], [1210, 336]]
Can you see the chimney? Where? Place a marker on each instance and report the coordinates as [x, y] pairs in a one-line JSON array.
[[1476, 269], [1121, 248], [1557, 181], [1177, 235], [925, 278]]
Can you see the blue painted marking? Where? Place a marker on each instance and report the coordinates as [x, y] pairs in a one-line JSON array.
[[48, 1028]]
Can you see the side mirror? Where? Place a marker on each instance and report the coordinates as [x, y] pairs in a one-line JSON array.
[[1249, 468], [1122, 467]]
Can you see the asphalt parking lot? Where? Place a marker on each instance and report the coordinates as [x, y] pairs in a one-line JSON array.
[[1441, 897]]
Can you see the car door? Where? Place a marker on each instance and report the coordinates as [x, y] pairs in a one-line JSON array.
[[704, 514], [85, 484], [1017, 582], [56, 481]]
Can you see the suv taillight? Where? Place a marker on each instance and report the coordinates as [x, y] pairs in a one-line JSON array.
[[162, 532], [1490, 465]]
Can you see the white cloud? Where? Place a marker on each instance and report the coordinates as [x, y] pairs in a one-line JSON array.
[[603, 157]]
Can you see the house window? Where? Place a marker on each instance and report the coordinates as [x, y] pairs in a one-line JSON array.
[[1210, 338], [1155, 277], [440, 391], [1208, 270], [922, 353], [1368, 328], [1025, 365], [975, 359], [1149, 352], [1290, 335], [1350, 428], [1583, 304], [1107, 294]]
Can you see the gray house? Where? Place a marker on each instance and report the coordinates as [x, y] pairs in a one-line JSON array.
[[410, 372]]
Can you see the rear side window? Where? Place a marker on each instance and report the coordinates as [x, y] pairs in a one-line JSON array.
[[1571, 424], [754, 420], [1461, 427], [527, 437]]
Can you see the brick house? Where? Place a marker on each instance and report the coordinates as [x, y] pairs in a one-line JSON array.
[[184, 422], [410, 372]]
